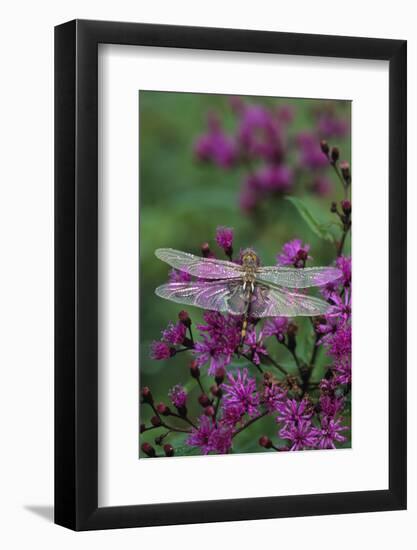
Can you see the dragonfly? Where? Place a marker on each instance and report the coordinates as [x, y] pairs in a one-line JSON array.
[[245, 289]]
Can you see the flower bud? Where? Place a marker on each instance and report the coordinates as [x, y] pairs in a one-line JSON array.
[[148, 449], [265, 442], [216, 390], [155, 421], [147, 395], [219, 375], [324, 147], [194, 369], [168, 450], [346, 206], [345, 169], [184, 318], [334, 154], [142, 428], [204, 400], [209, 411], [163, 409], [205, 250]]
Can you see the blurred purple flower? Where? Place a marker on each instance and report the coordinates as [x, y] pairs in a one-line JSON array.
[[276, 326], [291, 411], [241, 392], [209, 437], [321, 186], [249, 195], [259, 134], [178, 396], [329, 433], [286, 113], [274, 178], [329, 125], [224, 238], [215, 145], [174, 334], [294, 253], [160, 350], [311, 155], [301, 434]]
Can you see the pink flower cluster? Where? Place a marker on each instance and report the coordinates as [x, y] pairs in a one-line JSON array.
[[264, 145]]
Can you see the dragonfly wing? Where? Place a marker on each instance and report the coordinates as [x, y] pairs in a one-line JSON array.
[[280, 302], [214, 295], [298, 278], [204, 268]]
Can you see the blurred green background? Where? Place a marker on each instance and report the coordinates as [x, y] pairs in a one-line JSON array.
[[182, 201]]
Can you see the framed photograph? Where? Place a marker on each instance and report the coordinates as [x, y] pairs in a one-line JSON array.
[[221, 195]]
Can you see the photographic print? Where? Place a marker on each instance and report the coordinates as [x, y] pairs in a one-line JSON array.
[[245, 274]]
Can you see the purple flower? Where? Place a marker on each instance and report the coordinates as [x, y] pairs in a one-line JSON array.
[[274, 178], [224, 238], [272, 397], [276, 326], [330, 289], [301, 434], [177, 276], [232, 414], [220, 338], [294, 253], [343, 371], [259, 134], [331, 126], [339, 342], [291, 411], [344, 263], [255, 346], [327, 326], [207, 351], [209, 437], [160, 350], [329, 433], [249, 195], [321, 186], [216, 146], [328, 385], [174, 334], [286, 113], [241, 391], [341, 306], [331, 406], [178, 396], [311, 155]]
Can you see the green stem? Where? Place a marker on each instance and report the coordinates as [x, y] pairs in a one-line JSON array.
[[249, 423]]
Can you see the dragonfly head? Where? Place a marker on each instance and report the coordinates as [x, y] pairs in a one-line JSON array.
[[249, 258]]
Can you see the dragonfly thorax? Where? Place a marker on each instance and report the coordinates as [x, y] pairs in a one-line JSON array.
[[250, 260], [250, 263]]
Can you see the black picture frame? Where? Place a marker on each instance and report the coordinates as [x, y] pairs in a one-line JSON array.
[[76, 271]]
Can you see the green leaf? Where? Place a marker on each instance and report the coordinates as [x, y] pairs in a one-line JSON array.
[[185, 450], [319, 228]]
